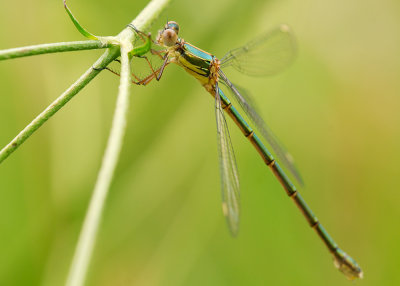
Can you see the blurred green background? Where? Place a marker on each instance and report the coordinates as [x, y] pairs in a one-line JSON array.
[[336, 109]]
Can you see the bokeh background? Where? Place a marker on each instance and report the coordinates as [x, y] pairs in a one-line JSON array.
[[336, 109]]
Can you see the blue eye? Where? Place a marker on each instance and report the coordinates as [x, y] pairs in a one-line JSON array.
[[173, 26]]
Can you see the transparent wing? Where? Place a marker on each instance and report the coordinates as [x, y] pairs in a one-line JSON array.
[[228, 170], [266, 55], [246, 104]]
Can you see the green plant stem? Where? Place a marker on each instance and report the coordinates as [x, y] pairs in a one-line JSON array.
[[91, 224], [142, 22], [124, 39], [87, 238], [102, 62], [51, 48]]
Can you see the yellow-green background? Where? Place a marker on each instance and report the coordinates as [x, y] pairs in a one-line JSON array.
[[336, 108]]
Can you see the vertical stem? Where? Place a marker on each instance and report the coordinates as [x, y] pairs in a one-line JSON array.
[[87, 238], [90, 227], [84, 249]]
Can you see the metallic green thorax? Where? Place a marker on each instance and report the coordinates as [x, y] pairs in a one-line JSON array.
[[204, 56], [195, 61]]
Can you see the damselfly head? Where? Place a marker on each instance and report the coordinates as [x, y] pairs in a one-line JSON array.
[[169, 35]]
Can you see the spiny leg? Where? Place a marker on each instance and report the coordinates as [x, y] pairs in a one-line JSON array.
[[138, 80], [165, 63], [142, 35], [151, 66], [158, 53]]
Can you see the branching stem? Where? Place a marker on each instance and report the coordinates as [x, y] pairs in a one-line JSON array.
[[116, 46]]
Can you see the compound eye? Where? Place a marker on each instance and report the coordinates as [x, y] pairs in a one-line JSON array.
[[169, 37], [173, 26]]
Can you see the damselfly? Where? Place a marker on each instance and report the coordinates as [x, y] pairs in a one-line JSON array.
[[265, 55]]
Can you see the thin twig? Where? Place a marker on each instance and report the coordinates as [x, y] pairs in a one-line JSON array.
[[51, 48]]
